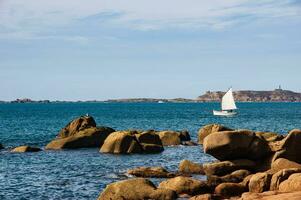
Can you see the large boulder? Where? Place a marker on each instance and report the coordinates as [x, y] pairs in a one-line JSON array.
[[225, 167], [271, 195], [230, 189], [23, 149], [260, 182], [88, 137], [76, 125], [208, 129], [281, 176], [189, 167], [170, 138], [241, 144], [135, 189], [282, 163], [292, 184], [235, 177], [150, 172], [121, 142], [185, 185], [291, 147]]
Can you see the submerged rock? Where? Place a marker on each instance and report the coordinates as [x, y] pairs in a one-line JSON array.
[[241, 144], [185, 185], [150, 172], [135, 189], [189, 167], [208, 129], [89, 137], [1, 147], [23, 149]]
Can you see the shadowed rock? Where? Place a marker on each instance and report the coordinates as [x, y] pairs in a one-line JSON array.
[[135, 189], [184, 135], [23, 149]]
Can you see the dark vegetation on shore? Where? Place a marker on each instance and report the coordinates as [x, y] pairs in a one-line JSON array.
[[249, 165]]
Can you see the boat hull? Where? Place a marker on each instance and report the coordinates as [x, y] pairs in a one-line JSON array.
[[224, 113]]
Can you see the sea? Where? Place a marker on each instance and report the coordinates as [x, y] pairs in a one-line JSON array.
[[84, 173]]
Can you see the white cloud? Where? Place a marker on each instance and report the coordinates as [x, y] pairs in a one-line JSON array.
[[32, 17]]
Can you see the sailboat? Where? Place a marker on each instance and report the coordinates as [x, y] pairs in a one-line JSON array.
[[228, 105]]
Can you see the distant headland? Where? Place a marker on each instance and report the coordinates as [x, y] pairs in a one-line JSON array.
[[277, 95]]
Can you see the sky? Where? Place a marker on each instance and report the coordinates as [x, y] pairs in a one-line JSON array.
[[108, 49]]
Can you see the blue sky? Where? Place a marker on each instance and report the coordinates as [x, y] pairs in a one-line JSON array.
[[102, 49]]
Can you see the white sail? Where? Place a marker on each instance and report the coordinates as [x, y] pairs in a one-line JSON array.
[[228, 102]]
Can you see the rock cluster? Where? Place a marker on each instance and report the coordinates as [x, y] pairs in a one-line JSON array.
[[250, 165], [82, 132]]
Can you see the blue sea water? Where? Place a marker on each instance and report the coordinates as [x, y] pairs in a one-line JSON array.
[[83, 173]]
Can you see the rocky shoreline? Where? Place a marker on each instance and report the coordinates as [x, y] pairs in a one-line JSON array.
[[250, 165]]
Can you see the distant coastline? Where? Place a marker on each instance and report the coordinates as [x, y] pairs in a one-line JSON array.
[[277, 95]]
